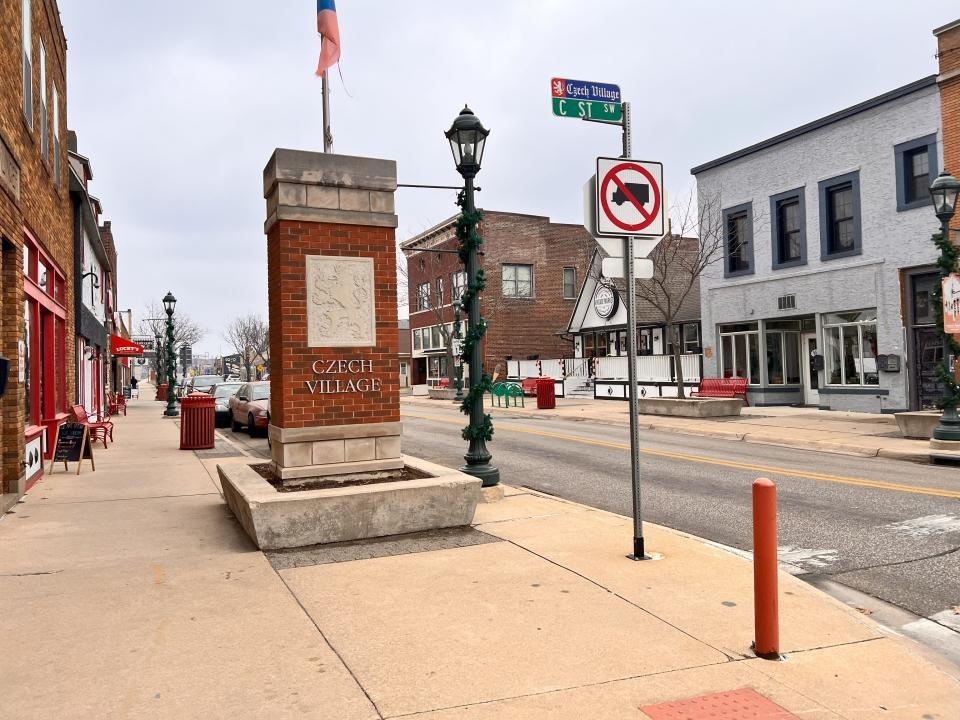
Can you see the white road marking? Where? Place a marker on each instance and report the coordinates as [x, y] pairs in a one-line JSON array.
[[927, 525], [807, 558]]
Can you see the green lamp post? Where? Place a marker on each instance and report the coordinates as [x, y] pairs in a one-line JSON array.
[[467, 138], [169, 303], [457, 353], [158, 356], [944, 191]]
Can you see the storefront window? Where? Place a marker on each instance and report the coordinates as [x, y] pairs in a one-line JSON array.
[[851, 348], [691, 338], [416, 339], [740, 351], [782, 340], [28, 340], [435, 337]]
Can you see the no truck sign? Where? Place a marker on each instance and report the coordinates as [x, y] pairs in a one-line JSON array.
[[629, 197]]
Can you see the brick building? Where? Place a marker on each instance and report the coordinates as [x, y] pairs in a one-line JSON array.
[[36, 241], [948, 80], [534, 269]]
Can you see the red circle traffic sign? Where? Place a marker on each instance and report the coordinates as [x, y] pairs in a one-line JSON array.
[[611, 176]]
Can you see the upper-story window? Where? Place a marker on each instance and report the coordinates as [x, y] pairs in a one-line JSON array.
[[517, 281], [789, 229], [56, 135], [27, 47], [423, 296], [458, 281], [840, 216], [569, 283], [439, 292], [738, 240], [44, 125], [916, 166]]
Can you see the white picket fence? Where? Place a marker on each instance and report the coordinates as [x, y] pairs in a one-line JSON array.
[[650, 368]]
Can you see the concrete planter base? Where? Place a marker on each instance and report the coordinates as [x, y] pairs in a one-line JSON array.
[[442, 393], [691, 407], [275, 520], [918, 424]]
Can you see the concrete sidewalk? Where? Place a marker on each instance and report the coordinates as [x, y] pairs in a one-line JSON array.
[[131, 592], [848, 433]]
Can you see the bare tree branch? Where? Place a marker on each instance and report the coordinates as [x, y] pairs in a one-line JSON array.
[[249, 336]]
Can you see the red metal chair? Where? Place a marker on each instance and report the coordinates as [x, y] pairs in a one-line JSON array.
[[99, 429], [118, 404]]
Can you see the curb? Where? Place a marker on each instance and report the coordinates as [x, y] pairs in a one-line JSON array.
[[906, 455]]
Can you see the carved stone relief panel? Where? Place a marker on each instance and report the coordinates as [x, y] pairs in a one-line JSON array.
[[340, 303]]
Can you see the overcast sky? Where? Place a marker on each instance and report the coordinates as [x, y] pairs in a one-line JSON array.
[[179, 105]]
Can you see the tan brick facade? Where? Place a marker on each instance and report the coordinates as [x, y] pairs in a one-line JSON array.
[[33, 202], [948, 54]]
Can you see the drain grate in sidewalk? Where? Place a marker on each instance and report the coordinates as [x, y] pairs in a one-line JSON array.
[[734, 705], [445, 539]]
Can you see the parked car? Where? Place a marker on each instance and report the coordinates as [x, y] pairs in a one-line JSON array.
[[202, 383], [222, 392], [248, 408]]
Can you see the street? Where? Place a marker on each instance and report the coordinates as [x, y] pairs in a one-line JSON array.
[[886, 528]]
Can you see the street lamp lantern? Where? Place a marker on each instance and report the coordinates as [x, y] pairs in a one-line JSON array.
[[467, 138], [944, 191], [169, 303]]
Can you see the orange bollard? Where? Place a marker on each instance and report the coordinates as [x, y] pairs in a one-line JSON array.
[[765, 613]]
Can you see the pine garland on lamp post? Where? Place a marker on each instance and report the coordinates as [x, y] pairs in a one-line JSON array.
[[944, 191], [467, 138], [169, 303]]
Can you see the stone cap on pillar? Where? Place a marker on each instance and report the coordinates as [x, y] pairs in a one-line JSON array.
[[325, 188]]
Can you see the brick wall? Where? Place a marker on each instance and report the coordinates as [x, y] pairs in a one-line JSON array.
[[948, 54], [517, 327], [41, 207], [292, 404]]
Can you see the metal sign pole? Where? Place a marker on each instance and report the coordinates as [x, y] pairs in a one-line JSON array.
[[629, 274]]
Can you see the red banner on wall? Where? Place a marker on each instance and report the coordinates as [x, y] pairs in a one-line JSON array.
[[124, 348]]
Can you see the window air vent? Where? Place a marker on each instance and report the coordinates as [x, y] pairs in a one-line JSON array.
[[787, 302]]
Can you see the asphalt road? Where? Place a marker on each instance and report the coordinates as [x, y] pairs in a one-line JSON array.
[[890, 529]]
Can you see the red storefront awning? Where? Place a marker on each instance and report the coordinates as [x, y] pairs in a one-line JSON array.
[[120, 346]]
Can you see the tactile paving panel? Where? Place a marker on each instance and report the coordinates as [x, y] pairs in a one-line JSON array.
[[745, 704]]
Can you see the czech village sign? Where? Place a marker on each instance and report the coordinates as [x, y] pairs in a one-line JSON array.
[[582, 99]]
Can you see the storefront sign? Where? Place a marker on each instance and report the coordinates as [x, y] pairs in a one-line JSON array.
[[951, 304], [120, 346], [358, 380], [606, 301]]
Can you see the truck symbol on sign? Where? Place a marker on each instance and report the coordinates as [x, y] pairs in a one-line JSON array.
[[641, 191]]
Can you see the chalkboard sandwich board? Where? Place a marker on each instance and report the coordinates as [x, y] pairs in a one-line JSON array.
[[72, 445]]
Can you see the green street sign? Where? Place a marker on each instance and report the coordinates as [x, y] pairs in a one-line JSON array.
[[592, 109]]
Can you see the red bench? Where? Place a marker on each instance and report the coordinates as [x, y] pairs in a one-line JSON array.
[[529, 386], [99, 430], [443, 383], [118, 403], [723, 388]]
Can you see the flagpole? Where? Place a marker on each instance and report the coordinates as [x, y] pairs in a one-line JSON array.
[[327, 134]]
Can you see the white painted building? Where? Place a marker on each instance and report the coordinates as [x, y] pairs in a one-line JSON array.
[[823, 294]]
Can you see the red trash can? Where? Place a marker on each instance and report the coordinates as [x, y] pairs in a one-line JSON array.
[[197, 414], [546, 394], [162, 392]]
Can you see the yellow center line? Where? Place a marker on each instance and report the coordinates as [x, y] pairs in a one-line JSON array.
[[770, 469]]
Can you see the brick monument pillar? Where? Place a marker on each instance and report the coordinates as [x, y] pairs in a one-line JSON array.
[[331, 259]]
